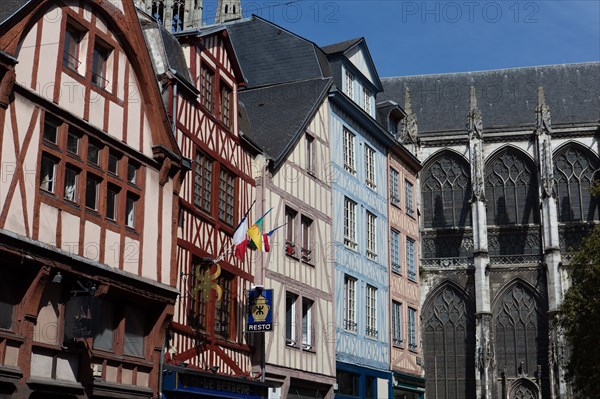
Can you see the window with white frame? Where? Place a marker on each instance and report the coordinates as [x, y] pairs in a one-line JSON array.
[[307, 338], [394, 187], [290, 231], [395, 246], [310, 149], [349, 159], [371, 311], [408, 198], [350, 223], [367, 100], [349, 84], [397, 338], [290, 319], [411, 269], [371, 236], [412, 328], [48, 173], [370, 167], [71, 178], [349, 303], [306, 237]]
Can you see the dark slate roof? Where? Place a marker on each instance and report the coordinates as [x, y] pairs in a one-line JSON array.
[[507, 98], [9, 7], [341, 47], [278, 115], [269, 54], [175, 56]]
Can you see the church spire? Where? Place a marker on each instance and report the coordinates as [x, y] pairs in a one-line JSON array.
[[228, 10]]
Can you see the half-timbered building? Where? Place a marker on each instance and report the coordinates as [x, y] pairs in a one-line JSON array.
[[406, 359], [509, 157], [90, 175], [360, 223], [287, 115], [200, 77]]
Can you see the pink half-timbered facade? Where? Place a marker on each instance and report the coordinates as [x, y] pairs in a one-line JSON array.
[[88, 200]]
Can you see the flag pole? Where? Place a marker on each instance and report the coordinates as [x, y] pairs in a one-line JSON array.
[[224, 251]]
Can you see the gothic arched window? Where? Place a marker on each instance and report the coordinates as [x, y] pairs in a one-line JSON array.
[[574, 171], [511, 189], [521, 342], [446, 192], [449, 345], [158, 10], [178, 15], [523, 390]]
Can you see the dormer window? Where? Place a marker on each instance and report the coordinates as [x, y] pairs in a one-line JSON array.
[[367, 100], [393, 126], [349, 85]]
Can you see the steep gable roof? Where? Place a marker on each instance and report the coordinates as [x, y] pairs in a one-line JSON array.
[[276, 116], [348, 49], [9, 8], [341, 47], [221, 30], [507, 98], [269, 54]]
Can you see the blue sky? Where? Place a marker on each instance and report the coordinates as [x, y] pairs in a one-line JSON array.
[[424, 37]]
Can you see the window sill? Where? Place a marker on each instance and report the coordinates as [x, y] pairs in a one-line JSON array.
[[352, 246], [52, 145], [11, 335], [398, 346], [9, 372], [396, 205], [63, 385]]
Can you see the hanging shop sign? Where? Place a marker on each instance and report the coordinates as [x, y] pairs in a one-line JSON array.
[[260, 310]]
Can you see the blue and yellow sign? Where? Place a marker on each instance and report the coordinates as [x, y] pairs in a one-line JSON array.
[[260, 310]]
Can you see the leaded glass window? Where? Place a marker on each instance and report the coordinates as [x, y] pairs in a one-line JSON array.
[[397, 323], [446, 192], [574, 171], [511, 190], [223, 307], [449, 345], [395, 238], [520, 333], [203, 182]]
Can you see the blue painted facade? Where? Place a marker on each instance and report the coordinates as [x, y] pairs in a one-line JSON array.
[[357, 352]]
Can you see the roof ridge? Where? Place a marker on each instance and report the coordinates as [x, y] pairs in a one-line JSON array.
[[546, 66]]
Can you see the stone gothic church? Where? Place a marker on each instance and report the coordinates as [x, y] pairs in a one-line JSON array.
[[508, 159], [180, 15]]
